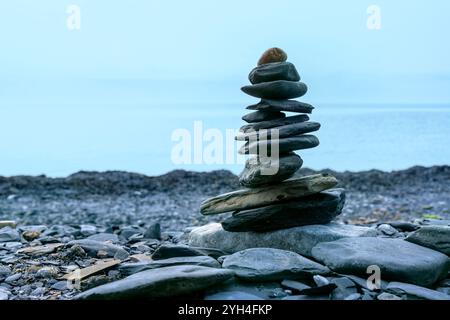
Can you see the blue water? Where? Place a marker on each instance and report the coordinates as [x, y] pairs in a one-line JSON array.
[[58, 140]]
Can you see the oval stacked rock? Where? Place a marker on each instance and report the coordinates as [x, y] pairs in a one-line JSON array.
[[273, 199]]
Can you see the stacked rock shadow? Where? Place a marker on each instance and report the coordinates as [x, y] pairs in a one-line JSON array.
[[271, 201]]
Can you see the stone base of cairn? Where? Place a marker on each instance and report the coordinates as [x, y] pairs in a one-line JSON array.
[[271, 201]]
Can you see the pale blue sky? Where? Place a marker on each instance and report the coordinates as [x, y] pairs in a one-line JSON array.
[[152, 50], [108, 96]]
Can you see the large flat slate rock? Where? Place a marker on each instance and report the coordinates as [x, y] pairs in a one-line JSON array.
[[135, 267], [170, 250], [318, 208], [268, 264], [298, 239], [260, 197], [397, 259], [159, 283]]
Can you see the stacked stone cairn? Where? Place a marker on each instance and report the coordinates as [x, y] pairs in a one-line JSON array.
[[272, 200]]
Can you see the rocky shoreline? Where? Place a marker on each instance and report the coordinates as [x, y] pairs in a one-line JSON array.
[[173, 199], [109, 225]]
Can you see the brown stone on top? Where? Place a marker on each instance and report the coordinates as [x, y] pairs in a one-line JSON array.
[[272, 55]]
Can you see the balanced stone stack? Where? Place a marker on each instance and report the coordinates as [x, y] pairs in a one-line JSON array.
[[269, 202]]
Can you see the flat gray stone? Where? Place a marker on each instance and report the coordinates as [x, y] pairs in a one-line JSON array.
[[416, 291], [298, 239], [290, 130], [318, 208], [263, 115], [282, 105], [93, 248], [266, 147], [8, 234], [273, 123], [294, 285], [268, 264], [261, 171], [433, 237], [274, 71], [167, 250], [159, 283], [259, 197], [131, 268], [398, 259], [279, 89]]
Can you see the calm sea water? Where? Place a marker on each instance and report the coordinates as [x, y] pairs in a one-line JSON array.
[[59, 140]]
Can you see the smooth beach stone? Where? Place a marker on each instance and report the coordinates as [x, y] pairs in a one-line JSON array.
[[8, 234], [93, 248], [131, 268], [319, 208], [288, 144], [279, 89], [260, 197], [159, 283], [274, 123], [282, 131], [298, 239], [282, 105], [268, 264], [272, 55], [168, 250], [398, 259], [274, 71], [263, 115], [416, 291], [433, 237], [260, 171]]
